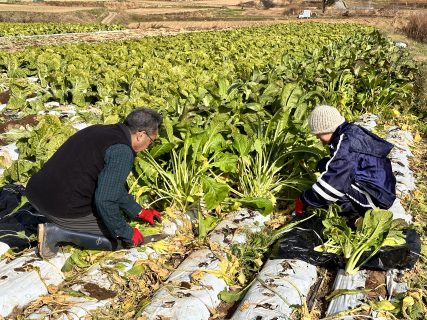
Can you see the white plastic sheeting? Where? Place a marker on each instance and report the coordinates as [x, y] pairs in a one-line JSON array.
[[198, 302], [183, 297], [367, 121], [26, 278], [283, 283], [394, 286], [3, 248], [11, 150], [234, 227], [399, 157], [399, 212], [347, 301], [80, 308], [9, 153], [98, 276]]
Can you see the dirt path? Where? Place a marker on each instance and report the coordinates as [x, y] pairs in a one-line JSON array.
[[109, 18]]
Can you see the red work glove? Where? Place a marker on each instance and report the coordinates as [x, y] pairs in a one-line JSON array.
[[137, 237], [149, 215], [299, 206]]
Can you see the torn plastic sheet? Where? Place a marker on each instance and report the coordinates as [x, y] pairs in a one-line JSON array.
[[347, 301], [9, 153], [190, 291], [26, 278], [405, 180], [394, 286], [177, 302], [399, 212], [367, 121], [3, 248], [12, 151], [80, 307], [233, 228], [281, 284], [401, 135], [97, 274]]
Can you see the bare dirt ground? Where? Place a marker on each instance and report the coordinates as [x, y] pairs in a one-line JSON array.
[[39, 8], [148, 11]]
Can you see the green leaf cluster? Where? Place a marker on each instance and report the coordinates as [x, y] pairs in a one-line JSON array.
[[377, 229]]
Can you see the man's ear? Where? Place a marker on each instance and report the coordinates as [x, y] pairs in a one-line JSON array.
[[139, 135]]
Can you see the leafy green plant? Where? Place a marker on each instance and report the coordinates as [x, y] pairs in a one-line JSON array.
[[36, 146], [375, 231], [186, 175]]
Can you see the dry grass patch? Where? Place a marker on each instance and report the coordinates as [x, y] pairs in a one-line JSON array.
[[417, 27]]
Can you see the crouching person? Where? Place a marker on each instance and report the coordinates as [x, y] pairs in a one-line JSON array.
[[81, 188], [357, 176]]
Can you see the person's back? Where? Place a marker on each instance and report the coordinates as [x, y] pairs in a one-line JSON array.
[[66, 184], [358, 175], [372, 169], [81, 189]]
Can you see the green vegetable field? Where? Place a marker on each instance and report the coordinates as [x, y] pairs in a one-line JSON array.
[[235, 135], [8, 29]]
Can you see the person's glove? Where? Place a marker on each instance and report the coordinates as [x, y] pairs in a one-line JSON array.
[[299, 206], [137, 237], [149, 215]]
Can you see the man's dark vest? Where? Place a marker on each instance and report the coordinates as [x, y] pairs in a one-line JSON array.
[[65, 186]]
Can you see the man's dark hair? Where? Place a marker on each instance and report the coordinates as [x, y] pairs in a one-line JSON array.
[[143, 119]]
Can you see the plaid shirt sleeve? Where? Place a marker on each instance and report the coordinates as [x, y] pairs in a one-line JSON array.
[[111, 194]]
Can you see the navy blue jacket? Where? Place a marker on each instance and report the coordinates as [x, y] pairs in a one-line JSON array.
[[358, 157]]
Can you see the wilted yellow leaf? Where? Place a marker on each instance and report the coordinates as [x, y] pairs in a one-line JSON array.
[[197, 275], [408, 302], [241, 278], [417, 137], [52, 289], [160, 246], [245, 306], [384, 305], [395, 112], [161, 272]]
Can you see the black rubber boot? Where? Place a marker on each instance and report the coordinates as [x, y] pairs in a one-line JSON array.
[[50, 235]]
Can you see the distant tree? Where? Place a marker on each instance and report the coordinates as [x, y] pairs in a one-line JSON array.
[[327, 3], [267, 4]]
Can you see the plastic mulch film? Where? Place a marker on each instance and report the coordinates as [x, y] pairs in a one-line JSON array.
[[26, 278], [347, 301], [191, 291], [8, 154], [79, 310], [234, 227], [4, 247], [280, 285], [202, 294]]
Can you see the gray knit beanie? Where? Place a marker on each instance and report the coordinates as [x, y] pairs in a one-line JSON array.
[[325, 119]]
